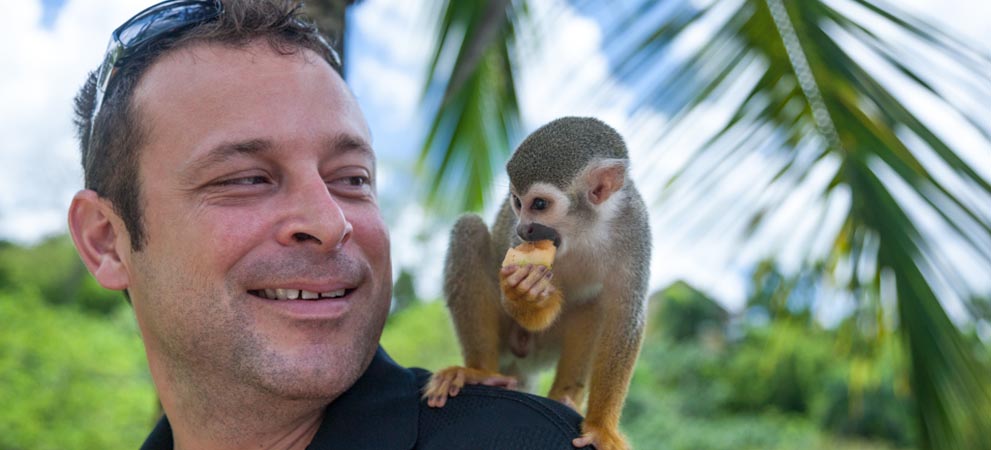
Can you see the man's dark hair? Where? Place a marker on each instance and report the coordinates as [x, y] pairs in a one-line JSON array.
[[110, 155]]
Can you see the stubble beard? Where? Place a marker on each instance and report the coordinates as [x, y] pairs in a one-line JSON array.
[[218, 360]]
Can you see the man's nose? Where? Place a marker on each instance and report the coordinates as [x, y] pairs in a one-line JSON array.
[[314, 217]]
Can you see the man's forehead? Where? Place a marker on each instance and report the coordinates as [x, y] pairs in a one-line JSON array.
[[226, 65], [238, 94]]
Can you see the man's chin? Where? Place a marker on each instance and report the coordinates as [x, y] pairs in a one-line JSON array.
[[321, 374]]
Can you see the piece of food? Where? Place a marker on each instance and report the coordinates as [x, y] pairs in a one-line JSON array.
[[537, 252]]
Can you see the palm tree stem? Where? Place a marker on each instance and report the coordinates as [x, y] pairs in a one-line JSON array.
[[806, 80]]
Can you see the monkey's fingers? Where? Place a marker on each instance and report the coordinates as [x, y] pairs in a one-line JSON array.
[[440, 386], [448, 383], [543, 288], [602, 438], [583, 441], [456, 383], [436, 396], [513, 275], [537, 274]]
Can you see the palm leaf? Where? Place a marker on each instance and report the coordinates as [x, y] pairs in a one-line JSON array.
[[478, 115], [860, 127]]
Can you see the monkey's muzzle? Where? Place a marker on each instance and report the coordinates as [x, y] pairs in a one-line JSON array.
[[537, 232]]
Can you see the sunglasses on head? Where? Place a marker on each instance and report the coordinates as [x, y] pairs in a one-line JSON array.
[[165, 19], [157, 21]]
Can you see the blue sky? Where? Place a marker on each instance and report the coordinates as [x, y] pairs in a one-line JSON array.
[[49, 45]]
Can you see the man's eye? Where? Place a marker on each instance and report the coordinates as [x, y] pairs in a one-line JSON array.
[[243, 181], [354, 181], [351, 184], [357, 181]]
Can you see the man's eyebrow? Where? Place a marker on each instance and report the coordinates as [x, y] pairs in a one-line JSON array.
[[346, 143], [227, 150]]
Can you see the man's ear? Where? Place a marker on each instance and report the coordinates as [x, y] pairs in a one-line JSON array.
[[95, 229], [604, 178]]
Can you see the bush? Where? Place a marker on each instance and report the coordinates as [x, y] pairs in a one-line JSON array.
[[70, 380]]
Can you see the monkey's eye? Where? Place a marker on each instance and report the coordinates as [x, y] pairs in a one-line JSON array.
[[516, 201], [539, 204]]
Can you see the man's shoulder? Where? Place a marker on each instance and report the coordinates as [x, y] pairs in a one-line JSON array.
[[496, 418]]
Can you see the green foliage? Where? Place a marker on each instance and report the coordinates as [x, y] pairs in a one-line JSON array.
[[55, 270], [783, 384], [421, 335], [403, 291], [69, 379], [685, 313]]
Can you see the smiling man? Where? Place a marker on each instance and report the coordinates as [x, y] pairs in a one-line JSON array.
[[230, 192]]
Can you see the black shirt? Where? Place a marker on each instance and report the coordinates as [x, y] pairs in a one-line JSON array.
[[383, 411]]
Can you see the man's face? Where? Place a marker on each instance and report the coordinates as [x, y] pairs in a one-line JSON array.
[[256, 182]]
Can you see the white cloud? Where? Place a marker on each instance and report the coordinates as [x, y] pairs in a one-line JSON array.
[[390, 90], [568, 62], [42, 70], [400, 29]]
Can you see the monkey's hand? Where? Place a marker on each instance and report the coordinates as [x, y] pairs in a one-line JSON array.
[[529, 297], [448, 383], [601, 437]]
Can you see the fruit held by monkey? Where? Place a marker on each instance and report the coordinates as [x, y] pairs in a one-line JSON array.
[[539, 253]]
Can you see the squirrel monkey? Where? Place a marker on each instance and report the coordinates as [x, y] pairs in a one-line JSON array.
[[569, 185]]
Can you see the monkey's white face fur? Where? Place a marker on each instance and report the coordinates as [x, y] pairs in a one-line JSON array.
[[545, 204], [580, 214]]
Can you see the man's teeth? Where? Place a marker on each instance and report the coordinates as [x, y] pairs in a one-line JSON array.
[[294, 294]]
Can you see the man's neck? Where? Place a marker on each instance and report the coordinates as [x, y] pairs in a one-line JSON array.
[[261, 435], [233, 416]]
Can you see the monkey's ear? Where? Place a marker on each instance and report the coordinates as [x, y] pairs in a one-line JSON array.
[[604, 178]]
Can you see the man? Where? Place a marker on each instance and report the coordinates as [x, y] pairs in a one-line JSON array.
[[230, 192]]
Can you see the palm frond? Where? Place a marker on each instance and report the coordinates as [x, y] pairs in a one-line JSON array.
[[478, 115], [815, 88]]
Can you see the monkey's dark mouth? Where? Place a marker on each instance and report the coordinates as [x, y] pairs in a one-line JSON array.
[[538, 232]]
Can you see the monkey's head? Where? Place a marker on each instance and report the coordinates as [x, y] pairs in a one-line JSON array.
[[563, 178]]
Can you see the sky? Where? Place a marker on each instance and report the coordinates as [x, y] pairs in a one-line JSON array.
[[48, 46]]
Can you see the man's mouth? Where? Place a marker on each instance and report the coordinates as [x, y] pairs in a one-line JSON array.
[[298, 294]]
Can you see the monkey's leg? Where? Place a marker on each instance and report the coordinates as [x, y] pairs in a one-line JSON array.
[[614, 356], [580, 333], [529, 297], [472, 293]]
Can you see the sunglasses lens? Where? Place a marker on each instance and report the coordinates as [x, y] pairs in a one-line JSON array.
[[164, 18]]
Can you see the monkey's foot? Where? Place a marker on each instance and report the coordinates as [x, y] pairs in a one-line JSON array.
[[602, 438], [448, 383], [529, 297]]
